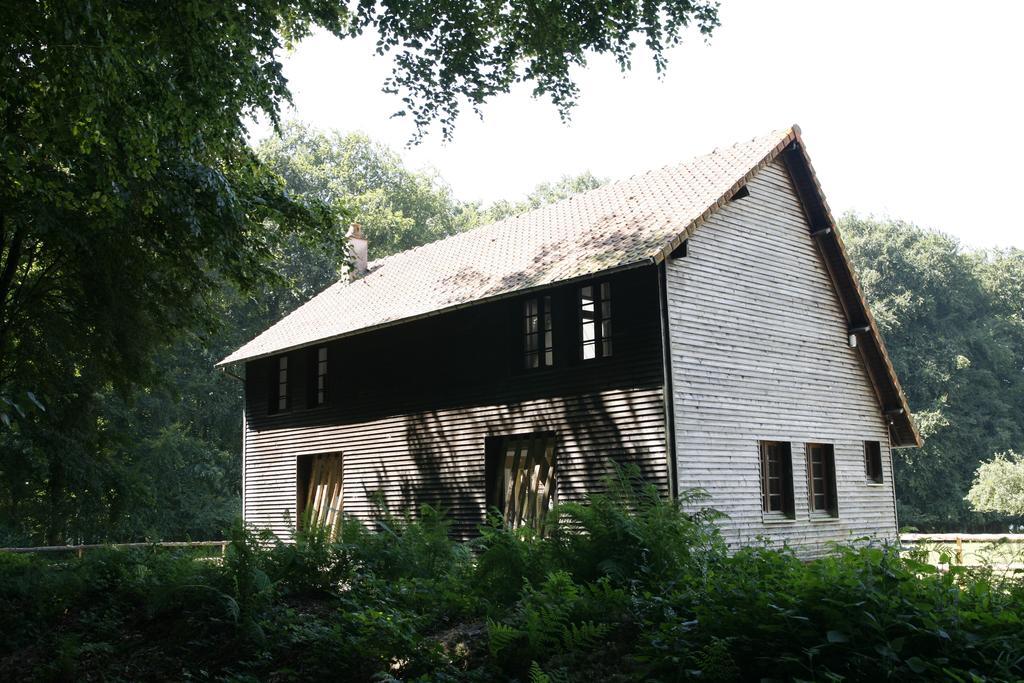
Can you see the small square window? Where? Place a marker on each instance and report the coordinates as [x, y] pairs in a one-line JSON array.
[[873, 461]]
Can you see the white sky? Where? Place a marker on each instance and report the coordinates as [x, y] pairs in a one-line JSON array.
[[913, 109]]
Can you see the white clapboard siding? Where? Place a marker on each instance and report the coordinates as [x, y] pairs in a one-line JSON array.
[[759, 351], [387, 455]]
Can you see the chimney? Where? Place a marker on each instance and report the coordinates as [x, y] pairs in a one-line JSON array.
[[357, 250]]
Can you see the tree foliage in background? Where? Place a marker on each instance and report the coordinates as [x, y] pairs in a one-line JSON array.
[[163, 460], [544, 193], [133, 214], [953, 320], [397, 208], [999, 485]]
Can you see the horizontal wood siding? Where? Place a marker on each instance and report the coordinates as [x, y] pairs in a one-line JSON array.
[[417, 402], [759, 351]]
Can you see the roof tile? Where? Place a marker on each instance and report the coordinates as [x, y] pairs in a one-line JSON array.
[[619, 224]]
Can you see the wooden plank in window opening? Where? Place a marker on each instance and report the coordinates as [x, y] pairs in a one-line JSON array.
[[524, 489], [320, 481]]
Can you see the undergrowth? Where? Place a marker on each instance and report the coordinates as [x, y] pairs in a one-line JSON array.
[[626, 586]]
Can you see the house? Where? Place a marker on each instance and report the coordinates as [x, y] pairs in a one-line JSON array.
[[702, 321]]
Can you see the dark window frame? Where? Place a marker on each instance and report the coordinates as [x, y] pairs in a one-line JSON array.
[[779, 505], [319, 394], [600, 318], [543, 336], [873, 471], [821, 485], [279, 399]]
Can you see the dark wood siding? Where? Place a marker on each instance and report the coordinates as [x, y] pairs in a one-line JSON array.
[[411, 407]]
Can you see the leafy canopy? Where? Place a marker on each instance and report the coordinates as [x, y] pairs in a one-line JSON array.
[[952, 320], [999, 485], [128, 193]]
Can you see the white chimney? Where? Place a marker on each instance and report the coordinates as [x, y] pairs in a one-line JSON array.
[[357, 247]]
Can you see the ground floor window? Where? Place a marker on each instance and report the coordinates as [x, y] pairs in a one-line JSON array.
[[521, 477], [873, 461], [821, 479], [319, 491], [776, 479]]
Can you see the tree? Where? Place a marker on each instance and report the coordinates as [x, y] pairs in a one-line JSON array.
[[544, 193], [397, 208], [952, 320], [162, 461], [127, 190], [999, 485], [130, 201]]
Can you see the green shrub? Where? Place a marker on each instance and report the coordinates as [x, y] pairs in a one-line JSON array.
[[624, 587]]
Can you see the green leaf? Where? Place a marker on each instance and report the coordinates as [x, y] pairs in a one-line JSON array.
[[917, 665]]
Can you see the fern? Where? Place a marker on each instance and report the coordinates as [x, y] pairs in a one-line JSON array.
[[538, 675], [585, 635], [501, 635]]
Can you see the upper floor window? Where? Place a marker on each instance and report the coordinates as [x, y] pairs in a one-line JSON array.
[[282, 383], [538, 347], [776, 479], [595, 303], [873, 461], [821, 479], [321, 376]]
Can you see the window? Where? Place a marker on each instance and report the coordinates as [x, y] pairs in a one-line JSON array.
[[538, 348], [821, 479], [521, 478], [318, 491], [321, 376], [595, 321], [873, 461], [279, 386], [776, 479]]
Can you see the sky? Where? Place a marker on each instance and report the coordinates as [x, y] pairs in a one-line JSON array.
[[911, 110]]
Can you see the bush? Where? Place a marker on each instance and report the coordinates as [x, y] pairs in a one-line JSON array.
[[625, 587]]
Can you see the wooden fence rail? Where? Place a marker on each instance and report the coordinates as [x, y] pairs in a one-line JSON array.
[[966, 538], [80, 549], [957, 542]]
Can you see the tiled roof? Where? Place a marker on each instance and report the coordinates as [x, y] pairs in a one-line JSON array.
[[620, 224]]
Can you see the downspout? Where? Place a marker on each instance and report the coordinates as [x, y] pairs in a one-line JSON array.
[[669, 395]]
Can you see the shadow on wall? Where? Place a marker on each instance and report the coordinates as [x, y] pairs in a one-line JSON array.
[[447, 450]]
